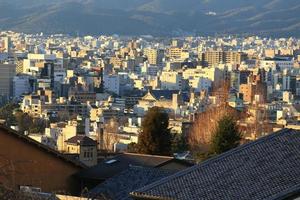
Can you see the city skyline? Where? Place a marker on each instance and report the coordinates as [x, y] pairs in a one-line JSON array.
[[149, 99]]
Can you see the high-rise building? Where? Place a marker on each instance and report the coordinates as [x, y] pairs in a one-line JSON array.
[[7, 72], [35, 63], [19, 66], [154, 56], [175, 52], [211, 58], [7, 44], [112, 83], [178, 54], [21, 85]]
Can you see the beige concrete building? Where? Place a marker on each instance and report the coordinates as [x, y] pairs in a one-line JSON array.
[[85, 147], [248, 92], [171, 80], [227, 57], [154, 56], [174, 53], [151, 99]]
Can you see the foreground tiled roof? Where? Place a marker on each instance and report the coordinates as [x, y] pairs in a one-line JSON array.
[[115, 165], [268, 168], [119, 186]]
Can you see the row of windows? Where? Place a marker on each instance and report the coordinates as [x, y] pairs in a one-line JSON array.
[[87, 154]]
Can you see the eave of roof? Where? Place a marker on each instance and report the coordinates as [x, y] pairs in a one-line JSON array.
[[85, 174], [147, 197], [42, 147]]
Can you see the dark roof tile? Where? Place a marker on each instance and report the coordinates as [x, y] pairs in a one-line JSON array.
[[265, 169], [119, 186], [115, 165], [168, 94], [81, 139]]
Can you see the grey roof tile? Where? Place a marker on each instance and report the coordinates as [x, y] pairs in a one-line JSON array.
[[265, 169], [105, 169], [119, 186]]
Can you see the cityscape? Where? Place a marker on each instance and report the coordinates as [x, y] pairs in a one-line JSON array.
[[149, 116]]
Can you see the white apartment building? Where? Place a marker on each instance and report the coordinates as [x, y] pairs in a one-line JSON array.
[[171, 80], [213, 74], [284, 63], [35, 62], [200, 83]]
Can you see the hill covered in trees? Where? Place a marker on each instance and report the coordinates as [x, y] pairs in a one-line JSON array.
[[156, 17]]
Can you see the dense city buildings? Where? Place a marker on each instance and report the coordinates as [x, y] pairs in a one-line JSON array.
[[85, 100], [99, 79]]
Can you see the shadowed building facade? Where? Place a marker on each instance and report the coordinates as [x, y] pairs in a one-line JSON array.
[[25, 162]]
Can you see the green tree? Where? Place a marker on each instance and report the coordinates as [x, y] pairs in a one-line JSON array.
[[155, 137], [7, 113], [226, 135], [179, 143], [38, 126], [132, 148], [24, 121]]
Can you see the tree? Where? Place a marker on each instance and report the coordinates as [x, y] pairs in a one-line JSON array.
[[205, 122], [204, 125], [110, 135], [27, 123], [24, 121], [38, 126], [132, 148], [179, 143], [226, 136], [7, 113], [155, 137]]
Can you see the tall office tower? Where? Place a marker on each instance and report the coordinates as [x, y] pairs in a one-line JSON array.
[[7, 72], [7, 44], [19, 66], [48, 73], [21, 85]]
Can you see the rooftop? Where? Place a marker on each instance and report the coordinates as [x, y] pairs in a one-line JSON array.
[[265, 169], [111, 167], [41, 146], [82, 140], [119, 186]]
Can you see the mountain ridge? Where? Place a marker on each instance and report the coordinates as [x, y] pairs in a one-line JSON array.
[[155, 17]]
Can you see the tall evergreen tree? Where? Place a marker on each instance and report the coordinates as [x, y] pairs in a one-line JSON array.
[[226, 136], [155, 137]]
